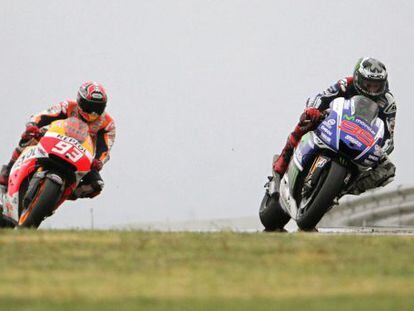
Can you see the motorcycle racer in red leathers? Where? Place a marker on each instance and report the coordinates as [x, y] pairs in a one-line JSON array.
[[370, 79], [89, 107]]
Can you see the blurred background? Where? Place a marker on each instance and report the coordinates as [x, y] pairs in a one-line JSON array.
[[203, 92]]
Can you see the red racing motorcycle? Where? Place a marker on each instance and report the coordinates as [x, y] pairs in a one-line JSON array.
[[47, 173]]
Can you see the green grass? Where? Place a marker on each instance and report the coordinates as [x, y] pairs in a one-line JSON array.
[[106, 270]]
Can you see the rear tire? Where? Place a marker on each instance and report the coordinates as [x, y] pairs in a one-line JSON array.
[[44, 204], [271, 214], [330, 188], [5, 223]]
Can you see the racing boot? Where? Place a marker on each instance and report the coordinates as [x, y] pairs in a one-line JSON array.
[[5, 170], [273, 184], [308, 121]]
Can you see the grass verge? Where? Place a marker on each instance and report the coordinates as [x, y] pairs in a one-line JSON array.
[[107, 270]]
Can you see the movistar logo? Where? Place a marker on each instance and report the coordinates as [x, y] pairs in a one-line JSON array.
[[349, 118]]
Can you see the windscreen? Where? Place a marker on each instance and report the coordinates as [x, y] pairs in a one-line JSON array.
[[365, 108]]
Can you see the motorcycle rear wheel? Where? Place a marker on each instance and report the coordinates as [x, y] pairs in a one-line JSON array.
[[271, 214], [5, 223]]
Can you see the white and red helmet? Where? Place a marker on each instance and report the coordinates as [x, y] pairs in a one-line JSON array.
[[91, 100]]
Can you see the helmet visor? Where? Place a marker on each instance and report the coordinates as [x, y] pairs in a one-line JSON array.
[[373, 87], [90, 107]]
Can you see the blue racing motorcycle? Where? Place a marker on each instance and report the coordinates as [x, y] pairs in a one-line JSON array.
[[325, 164]]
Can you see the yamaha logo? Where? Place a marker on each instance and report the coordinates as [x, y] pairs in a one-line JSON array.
[[331, 122]]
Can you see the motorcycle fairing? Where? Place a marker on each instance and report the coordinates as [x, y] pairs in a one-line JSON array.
[[76, 142], [24, 166], [79, 152], [328, 131], [289, 183], [332, 134], [286, 200], [68, 149], [344, 132], [305, 151], [372, 152]]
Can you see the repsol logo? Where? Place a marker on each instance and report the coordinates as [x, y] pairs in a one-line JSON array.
[[72, 141]]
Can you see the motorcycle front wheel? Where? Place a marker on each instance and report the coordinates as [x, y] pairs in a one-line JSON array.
[[329, 186], [42, 205]]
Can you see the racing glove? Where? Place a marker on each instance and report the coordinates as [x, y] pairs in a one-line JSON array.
[[310, 119], [32, 131], [312, 114], [97, 165]]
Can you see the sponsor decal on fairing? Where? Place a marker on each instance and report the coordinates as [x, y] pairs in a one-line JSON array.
[[326, 130], [353, 140]]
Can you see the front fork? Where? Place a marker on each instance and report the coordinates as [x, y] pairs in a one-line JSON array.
[[35, 183], [316, 170]]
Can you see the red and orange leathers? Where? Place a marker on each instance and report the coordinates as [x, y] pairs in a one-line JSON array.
[[102, 130]]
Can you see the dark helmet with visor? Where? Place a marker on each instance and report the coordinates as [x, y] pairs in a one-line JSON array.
[[92, 100], [370, 77]]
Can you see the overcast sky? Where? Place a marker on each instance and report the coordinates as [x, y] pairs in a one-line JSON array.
[[203, 92]]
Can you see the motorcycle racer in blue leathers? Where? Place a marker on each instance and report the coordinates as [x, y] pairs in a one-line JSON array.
[[370, 79]]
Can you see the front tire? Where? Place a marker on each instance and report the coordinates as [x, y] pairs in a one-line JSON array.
[[43, 204], [329, 186]]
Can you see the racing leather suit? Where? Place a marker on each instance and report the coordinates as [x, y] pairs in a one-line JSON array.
[[102, 132], [383, 173]]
